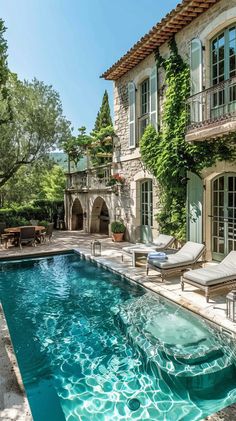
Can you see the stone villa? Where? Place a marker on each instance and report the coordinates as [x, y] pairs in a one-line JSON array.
[[205, 33]]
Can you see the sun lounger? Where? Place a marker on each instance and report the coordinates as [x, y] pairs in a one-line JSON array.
[[213, 278], [162, 242], [186, 258]]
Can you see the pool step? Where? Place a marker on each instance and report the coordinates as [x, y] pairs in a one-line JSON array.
[[195, 365]]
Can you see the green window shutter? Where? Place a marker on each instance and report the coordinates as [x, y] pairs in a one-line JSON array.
[[153, 97], [132, 114], [196, 65], [196, 79], [194, 207]]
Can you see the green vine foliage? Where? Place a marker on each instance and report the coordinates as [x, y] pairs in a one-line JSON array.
[[168, 156]]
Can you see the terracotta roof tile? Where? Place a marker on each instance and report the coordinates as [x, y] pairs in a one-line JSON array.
[[184, 13]]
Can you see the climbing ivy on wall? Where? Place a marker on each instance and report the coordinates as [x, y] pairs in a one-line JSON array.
[[168, 156]]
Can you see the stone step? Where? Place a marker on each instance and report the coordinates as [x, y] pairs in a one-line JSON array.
[[193, 365]]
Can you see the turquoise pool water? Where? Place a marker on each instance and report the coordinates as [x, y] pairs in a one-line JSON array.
[[88, 344]]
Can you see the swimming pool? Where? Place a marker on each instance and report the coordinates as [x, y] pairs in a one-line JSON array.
[[91, 346]]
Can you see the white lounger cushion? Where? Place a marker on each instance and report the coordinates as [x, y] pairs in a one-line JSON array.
[[187, 255], [223, 272], [160, 243], [138, 246]]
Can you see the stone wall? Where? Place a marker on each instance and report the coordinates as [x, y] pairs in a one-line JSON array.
[[128, 160]]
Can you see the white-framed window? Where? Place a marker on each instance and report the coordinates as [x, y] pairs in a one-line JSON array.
[[223, 55], [144, 106], [223, 72], [146, 195], [144, 110]]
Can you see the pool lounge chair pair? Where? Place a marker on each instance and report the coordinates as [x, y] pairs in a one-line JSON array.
[[186, 258], [213, 278], [162, 242]]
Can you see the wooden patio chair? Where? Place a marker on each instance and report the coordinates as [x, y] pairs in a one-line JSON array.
[[48, 233], [27, 235], [4, 237]]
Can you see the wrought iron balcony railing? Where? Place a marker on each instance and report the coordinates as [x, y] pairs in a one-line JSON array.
[[217, 103]]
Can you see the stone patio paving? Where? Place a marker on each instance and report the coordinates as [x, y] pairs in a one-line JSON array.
[[13, 404]]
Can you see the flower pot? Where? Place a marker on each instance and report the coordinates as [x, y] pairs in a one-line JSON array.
[[118, 236]]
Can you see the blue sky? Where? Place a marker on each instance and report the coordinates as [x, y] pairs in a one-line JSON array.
[[69, 43]]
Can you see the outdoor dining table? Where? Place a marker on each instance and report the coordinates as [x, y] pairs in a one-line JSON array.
[[16, 230]]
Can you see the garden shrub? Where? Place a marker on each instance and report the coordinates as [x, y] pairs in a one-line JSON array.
[[44, 210]]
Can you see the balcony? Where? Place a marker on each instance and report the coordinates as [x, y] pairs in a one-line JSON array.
[[92, 179], [212, 112]]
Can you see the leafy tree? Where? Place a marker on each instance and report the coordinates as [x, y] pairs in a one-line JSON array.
[[102, 146], [77, 147], [53, 184], [36, 127], [31, 182], [5, 113], [97, 146], [101, 149]]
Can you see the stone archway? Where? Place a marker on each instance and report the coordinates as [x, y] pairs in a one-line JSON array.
[[77, 216], [100, 218]]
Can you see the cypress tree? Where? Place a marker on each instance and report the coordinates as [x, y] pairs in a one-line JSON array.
[[103, 127], [97, 123], [104, 115]]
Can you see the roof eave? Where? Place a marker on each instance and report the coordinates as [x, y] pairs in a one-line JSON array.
[[173, 22]]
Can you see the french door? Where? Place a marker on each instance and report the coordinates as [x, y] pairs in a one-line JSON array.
[[223, 68], [223, 215], [146, 208]]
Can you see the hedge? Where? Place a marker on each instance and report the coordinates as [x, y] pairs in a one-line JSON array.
[[48, 210]]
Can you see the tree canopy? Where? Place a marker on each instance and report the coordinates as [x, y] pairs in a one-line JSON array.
[[37, 126], [41, 180], [31, 119]]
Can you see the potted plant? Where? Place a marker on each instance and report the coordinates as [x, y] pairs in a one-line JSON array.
[[116, 179], [117, 229]]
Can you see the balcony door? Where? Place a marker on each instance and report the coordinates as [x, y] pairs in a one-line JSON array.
[[223, 68], [223, 215]]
